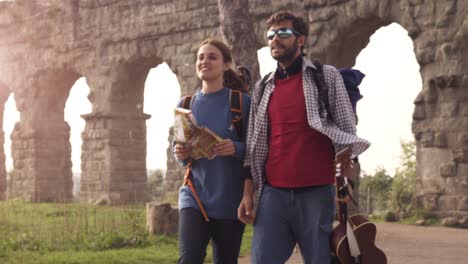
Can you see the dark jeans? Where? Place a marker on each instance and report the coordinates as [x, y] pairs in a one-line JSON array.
[[195, 233]]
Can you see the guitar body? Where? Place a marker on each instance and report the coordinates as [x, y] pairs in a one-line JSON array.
[[365, 233]]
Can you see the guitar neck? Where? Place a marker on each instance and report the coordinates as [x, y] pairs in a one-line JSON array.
[[342, 207], [342, 213]]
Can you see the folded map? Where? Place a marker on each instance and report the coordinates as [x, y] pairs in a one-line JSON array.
[[201, 139]]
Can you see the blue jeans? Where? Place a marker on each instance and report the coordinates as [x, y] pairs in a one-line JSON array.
[[286, 217]]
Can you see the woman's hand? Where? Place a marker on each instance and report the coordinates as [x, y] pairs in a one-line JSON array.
[[225, 148], [181, 151]]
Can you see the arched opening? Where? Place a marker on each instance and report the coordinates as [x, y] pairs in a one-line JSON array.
[[390, 87], [266, 62], [10, 117], [391, 84], [162, 92], [76, 105]]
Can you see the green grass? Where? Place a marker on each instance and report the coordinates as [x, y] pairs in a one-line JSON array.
[[58, 227], [246, 241], [83, 233], [154, 254]]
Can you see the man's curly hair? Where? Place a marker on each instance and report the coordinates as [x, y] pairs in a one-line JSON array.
[[298, 23]]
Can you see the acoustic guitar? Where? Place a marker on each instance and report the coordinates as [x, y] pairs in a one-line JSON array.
[[364, 232]]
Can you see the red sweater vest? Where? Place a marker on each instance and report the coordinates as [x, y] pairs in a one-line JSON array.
[[298, 156]]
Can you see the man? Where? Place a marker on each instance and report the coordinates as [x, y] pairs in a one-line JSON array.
[[291, 146]]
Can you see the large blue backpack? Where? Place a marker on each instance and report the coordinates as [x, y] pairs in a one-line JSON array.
[[351, 77]]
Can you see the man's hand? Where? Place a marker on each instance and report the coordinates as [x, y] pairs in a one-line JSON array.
[[344, 165], [225, 148], [344, 168], [246, 212], [347, 198], [182, 152]]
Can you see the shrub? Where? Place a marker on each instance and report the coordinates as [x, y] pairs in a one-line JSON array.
[[390, 217], [110, 241]]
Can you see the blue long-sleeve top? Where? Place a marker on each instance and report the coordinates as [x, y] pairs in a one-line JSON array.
[[219, 182]]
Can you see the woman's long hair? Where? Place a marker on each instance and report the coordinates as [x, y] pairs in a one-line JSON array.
[[231, 78]]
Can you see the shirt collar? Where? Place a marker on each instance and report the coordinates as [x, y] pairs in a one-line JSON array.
[[306, 63], [295, 67]]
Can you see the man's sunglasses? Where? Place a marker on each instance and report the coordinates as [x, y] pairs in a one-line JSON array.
[[283, 33]]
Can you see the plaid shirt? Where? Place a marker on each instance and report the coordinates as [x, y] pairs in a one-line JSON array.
[[341, 130]]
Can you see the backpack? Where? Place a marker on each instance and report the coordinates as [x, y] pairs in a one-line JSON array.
[[235, 101], [351, 77]]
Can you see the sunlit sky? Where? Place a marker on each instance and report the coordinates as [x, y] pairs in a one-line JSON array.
[[391, 84]]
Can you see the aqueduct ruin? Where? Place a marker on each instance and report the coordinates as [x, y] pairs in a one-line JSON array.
[[46, 45]]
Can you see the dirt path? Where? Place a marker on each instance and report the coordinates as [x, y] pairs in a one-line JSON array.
[[404, 244]]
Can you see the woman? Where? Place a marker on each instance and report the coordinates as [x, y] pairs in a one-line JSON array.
[[218, 183]]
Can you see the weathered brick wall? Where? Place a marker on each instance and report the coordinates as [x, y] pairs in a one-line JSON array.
[[4, 93], [47, 45]]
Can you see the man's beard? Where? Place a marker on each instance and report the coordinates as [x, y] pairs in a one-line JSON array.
[[289, 53]]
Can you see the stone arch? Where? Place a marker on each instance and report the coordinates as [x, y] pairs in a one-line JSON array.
[[114, 139], [353, 38], [439, 118], [40, 141], [83, 33]]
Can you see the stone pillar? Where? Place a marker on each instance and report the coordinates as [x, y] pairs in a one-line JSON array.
[[174, 172], [42, 163], [113, 159], [4, 93], [41, 150], [440, 125]]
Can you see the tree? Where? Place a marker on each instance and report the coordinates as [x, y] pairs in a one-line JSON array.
[[404, 182], [156, 184], [375, 189], [238, 32]]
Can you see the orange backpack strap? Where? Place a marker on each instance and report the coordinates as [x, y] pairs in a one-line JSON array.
[[188, 181], [235, 100], [187, 104]]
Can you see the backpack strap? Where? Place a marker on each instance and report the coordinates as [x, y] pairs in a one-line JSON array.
[[187, 101], [235, 100], [189, 183], [187, 104], [262, 87], [319, 79]]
